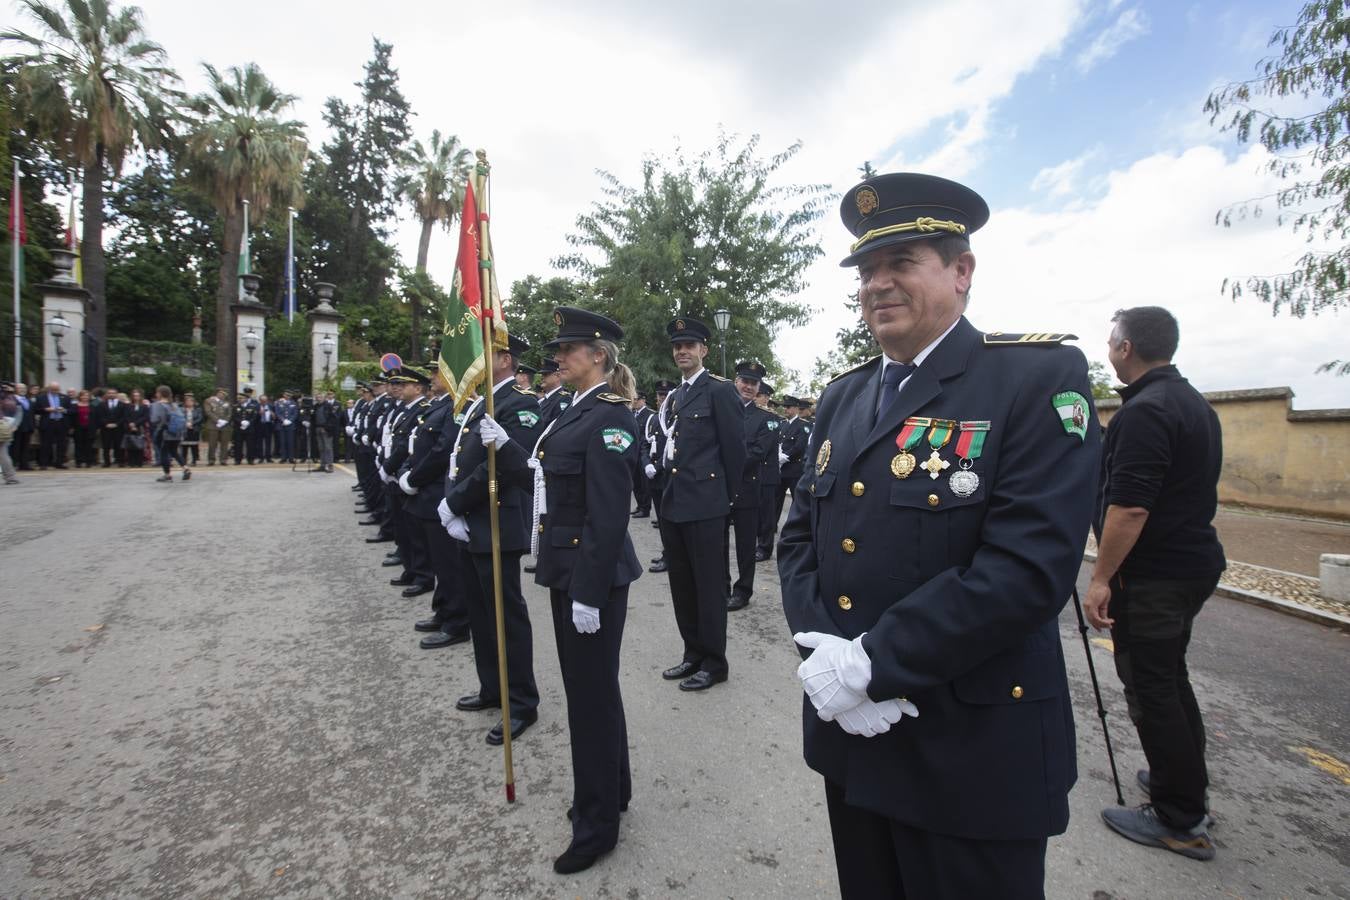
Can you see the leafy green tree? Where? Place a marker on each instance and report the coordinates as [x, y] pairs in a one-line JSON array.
[[1298, 110], [853, 345], [238, 148], [96, 88], [529, 312], [381, 139], [433, 184], [698, 235], [1102, 381]]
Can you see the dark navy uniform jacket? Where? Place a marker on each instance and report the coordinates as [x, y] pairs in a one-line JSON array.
[[959, 597], [552, 406], [517, 411], [794, 436], [768, 466], [761, 442], [432, 442], [709, 436], [399, 451], [589, 459]]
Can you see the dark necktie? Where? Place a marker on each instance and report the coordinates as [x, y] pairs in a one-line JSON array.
[[891, 376], [679, 397]]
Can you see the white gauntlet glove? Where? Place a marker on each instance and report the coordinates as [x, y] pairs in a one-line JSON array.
[[782, 458], [458, 528], [650, 470], [836, 676], [443, 510], [492, 434], [586, 619], [244, 424], [220, 423], [404, 486]]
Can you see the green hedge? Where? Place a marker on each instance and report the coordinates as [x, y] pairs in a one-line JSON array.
[[124, 352], [200, 385]]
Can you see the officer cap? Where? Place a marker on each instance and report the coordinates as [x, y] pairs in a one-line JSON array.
[[750, 371], [664, 387], [576, 325], [247, 390], [789, 400], [549, 366], [766, 389], [418, 374], [687, 329], [527, 370], [907, 206], [518, 345], [380, 379]]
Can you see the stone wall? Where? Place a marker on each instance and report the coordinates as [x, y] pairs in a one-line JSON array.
[[1276, 457]]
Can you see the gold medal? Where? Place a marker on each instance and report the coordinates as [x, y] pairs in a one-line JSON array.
[[934, 465], [823, 457], [903, 464]]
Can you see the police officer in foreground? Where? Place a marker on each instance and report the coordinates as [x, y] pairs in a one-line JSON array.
[[760, 445], [589, 457], [704, 459], [926, 561]]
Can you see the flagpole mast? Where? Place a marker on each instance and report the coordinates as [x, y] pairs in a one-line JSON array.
[[489, 350], [290, 266], [16, 262]]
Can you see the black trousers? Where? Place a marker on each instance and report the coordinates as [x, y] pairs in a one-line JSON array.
[[601, 781], [1152, 630], [410, 540], [111, 441], [18, 450], [519, 636], [240, 440], [879, 857], [769, 510], [52, 440], [642, 493], [657, 486], [449, 603], [696, 557], [744, 525]]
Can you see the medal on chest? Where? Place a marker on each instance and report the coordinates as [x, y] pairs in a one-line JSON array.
[[938, 436], [903, 463], [969, 446]]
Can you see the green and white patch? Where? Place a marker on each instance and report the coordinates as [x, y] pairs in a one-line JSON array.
[[527, 418], [617, 439], [773, 426], [1073, 412]]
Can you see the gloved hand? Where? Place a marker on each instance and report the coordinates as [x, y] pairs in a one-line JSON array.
[[869, 719], [365, 439], [458, 528], [586, 619], [244, 424], [443, 510], [492, 434], [836, 675], [288, 422], [782, 458], [404, 486], [386, 477], [220, 423], [650, 470]]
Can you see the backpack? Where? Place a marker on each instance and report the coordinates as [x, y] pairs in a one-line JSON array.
[[176, 425]]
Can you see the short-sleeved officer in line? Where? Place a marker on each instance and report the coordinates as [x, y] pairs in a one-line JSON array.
[[467, 495], [704, 459], [936, 540], [760, 440]]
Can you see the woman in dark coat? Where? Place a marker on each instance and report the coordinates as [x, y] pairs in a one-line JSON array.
[[589, 457]]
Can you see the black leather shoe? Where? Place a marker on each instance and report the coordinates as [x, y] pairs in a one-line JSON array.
[[518, 726], [401, 581], [735, 602], [378, 540], [570, 810], [657, 559], [683, 670], [530, 568], [418, 590], [361, 510], [701, 681], [658, 566], [656, 523], [572, 862], [427, 625], [391, 561], [473, 703], [371, 521], [761, 554], [641, 514], [441, 639]]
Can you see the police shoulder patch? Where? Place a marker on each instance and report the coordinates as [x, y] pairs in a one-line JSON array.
[[617, 439], [1043, 338], [857, 368], [773, 424], [611, 398], [1072, 408], [527, 417]]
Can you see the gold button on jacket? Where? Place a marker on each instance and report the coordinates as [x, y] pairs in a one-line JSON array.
[[848, 545], [845, 603], [858, 488], [1017, 692]]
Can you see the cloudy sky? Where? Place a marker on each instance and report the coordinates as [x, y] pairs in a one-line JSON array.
[[1080, 121]]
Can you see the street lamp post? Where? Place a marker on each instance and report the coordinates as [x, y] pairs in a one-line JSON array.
[[58, 326], [251, 341], [327, 345], [722, 319]]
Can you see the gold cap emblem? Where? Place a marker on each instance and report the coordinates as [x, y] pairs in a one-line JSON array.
[[557, 317], [866, 200], [679, 324]]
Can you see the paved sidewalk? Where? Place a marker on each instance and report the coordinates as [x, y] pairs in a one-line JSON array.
[[1279, 541]]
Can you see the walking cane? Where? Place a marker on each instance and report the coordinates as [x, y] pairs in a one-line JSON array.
[[1096, 689]]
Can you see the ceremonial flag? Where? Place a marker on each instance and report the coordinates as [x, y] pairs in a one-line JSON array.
[[18, 236], [243, 252], [461, 357], [72, 239], [290, 266]]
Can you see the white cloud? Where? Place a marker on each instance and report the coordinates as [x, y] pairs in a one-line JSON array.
[[1129, 25], [1064, 179]]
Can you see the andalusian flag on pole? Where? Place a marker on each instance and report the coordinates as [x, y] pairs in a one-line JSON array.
[[72, 236], [18, 236], [244, 266], [290, 265], [461, 358]]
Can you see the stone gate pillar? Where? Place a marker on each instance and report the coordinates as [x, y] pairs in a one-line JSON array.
[[64, 304], [250, 337], [324, 322]]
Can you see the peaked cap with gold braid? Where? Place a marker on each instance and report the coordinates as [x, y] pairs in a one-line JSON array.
[[908, 206]]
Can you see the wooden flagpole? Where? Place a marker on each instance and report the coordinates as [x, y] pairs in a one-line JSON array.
[[489, 351]]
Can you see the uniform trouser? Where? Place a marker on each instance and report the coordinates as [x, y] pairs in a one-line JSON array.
[[601, 781], [84, 446], [449, 602], [743, 523], [286, 443], [110, 441], [393, 506], [524, 694], [18, 448], [257, 441], [879, 857], [413, 548], [768, 514], [657, 486], [1153, 628], [325, 449], [52, 440], [218, 442], [696, 556], [642, 493], [239, 442]]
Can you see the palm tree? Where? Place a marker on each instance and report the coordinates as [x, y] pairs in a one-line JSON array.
[[433, 184], [96, 88], [238, 148]]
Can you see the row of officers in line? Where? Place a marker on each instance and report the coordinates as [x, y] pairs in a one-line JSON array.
[[568, 466]]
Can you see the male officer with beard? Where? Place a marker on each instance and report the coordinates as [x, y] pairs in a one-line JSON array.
[[925, 563], [760, 446], [468, 519]]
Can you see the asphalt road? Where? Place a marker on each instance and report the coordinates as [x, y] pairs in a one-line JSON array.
[[209, 690]]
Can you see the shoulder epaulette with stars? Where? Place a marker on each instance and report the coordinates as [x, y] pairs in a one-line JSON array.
[[855, 369], [717, 377], [611, 398], [1043, 338], [521, 390]]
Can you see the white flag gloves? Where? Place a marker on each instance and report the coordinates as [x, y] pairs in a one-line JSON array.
[[365, 439], [404, 486], [458, 528], [443, 510], [244, 424], [782, 458], [823, 673], [585, 618], [220, 423], [492, 434], [650, 470], [869, 719]]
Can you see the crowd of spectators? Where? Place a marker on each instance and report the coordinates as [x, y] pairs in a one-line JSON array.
[[103, 427]]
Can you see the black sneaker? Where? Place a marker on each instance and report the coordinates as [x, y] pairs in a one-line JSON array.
[[1142, 777], [1143, 826]]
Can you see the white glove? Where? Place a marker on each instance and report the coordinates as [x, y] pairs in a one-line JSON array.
[[586, 619], [365, 439], [220, 423], [869, 719], [288, 422], [782, 458], [650, 470], [386, 477], [458, 528], [443, 510], [836, 675], [244, 424], [492, 434], [404, 486]]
